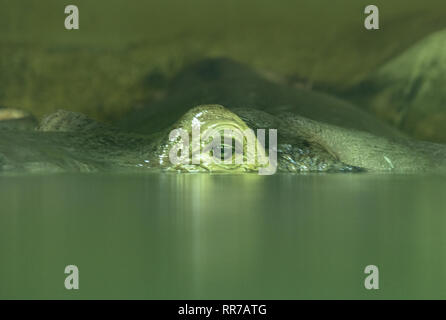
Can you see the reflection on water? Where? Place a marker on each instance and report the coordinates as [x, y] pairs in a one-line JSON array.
[[222, 236]]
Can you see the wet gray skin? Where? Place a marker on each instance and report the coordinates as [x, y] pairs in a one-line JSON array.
[[316, 132]]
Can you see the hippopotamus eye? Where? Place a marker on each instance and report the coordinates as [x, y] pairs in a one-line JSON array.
[[229, 151], [226, 151]]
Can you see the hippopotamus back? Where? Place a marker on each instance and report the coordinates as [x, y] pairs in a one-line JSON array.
[[226, 82]]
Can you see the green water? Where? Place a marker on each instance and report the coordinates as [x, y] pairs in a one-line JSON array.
[[222, 236]]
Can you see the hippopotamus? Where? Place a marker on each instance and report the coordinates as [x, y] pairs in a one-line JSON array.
[[316, 132]]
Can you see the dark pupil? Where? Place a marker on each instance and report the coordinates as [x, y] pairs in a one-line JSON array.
[[226, 149], [230, 150]]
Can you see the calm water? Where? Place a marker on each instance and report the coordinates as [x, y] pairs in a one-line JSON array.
[[222, 236]]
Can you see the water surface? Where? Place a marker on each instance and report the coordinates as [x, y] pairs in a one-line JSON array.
[[185, 236]]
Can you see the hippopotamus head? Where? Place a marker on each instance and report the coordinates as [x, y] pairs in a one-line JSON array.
[[256, 141], [257, 126]]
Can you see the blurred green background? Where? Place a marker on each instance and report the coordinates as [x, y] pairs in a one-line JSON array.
[[125, 51]]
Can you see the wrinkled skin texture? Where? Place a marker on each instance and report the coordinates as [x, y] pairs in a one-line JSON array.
[[316, 132]]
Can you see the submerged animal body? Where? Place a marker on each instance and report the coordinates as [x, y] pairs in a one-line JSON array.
[[315, 132]]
